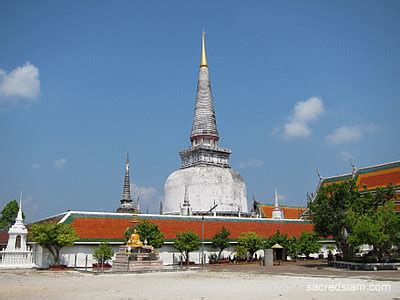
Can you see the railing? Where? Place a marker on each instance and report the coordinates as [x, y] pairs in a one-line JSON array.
[[16, 257]]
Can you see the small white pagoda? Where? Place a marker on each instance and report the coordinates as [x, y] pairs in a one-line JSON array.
[[17, 255], [277, 213]]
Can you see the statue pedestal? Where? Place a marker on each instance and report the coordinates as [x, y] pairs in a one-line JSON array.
[[136, 259]]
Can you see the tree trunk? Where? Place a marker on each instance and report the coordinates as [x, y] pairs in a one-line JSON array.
[[187, 258], [219, 254], [57, 257]]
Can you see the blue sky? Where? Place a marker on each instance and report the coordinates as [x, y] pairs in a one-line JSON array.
[[297, 86]]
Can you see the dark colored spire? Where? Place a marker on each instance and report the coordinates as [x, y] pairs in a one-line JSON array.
[[126, 201], [126, 197]]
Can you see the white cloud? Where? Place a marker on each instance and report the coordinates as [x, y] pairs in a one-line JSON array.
[[296, 129], [304, 112], [144, 192], [252, 163], [21, 83], [60, 163], [308, 110], [149, 196], [348, 134]]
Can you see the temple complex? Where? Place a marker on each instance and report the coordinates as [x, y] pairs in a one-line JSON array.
[[205, 178]]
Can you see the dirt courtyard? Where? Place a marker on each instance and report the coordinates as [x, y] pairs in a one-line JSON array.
[[192, 284]]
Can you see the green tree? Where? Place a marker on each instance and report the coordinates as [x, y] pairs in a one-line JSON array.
[[103, 253], [187, 242], [251, 241], [293, 248], [377, 227], [221, 240], [241, 253], [276, 238], [329, 209], [308, 243], [337, 209], [53, 237], [9, 214], [149, 232]]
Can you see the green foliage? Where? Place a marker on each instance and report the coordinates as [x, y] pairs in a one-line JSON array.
[[241, 252], [250, 241], [149, 232], [328, 212], [377, 227], [103, 253], [53, 237], [9, 214], [343, 212], [221, 240], [276, 238], [187, 242], [293, 247], [308, 243]]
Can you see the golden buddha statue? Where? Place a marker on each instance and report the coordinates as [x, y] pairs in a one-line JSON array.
[[134, 240]]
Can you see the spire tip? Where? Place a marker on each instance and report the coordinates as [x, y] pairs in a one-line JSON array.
[[203, 59]]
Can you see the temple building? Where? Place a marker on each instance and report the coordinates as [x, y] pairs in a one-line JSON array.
[[371, 178], [94, 228], [205, 178], [126, 205], [277, 210]]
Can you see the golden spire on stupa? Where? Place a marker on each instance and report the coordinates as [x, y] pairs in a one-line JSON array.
[[203, 59]]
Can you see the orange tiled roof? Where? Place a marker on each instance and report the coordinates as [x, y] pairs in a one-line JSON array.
[[289, 212], [113, 226], [372, 177]]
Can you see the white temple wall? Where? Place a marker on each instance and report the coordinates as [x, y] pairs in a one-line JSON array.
[[75, 256], [43, 259]]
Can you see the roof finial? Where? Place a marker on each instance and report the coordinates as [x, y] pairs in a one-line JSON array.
[[20, 200], [319, 175], [203, 59], [276, 199], [353, 167], [19, 215]]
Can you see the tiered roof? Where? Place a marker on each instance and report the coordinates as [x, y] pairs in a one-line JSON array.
[[93, 227], [372, 177]]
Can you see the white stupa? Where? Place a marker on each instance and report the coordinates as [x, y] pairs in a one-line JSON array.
[[205, 177], [277, 213], [17, 254]]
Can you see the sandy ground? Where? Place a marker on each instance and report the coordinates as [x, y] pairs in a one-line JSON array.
[[187, 285]]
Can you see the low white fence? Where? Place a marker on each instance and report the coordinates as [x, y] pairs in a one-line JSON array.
[[16, 258]]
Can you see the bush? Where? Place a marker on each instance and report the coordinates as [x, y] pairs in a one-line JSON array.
[[103, 253]]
